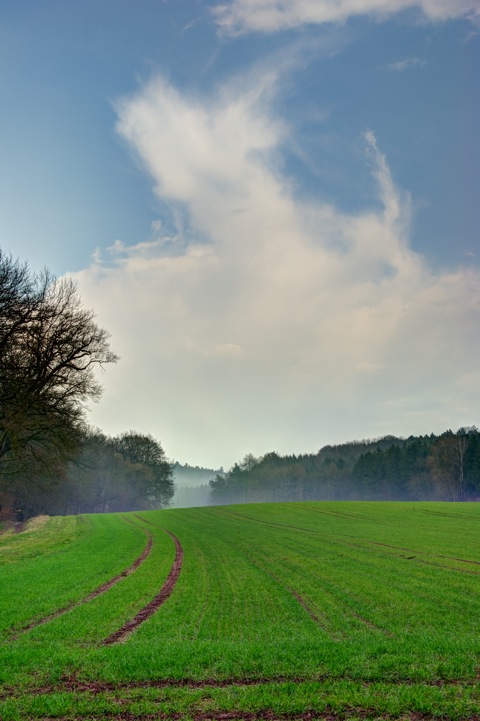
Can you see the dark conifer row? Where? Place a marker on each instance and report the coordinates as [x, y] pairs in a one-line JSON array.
[[445, 467]]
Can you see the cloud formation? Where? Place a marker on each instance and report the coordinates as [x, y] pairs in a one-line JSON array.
[[242, 16], [277, 319], [407, 64]]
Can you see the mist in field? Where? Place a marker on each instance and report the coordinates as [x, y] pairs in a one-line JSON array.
[[192, 485]]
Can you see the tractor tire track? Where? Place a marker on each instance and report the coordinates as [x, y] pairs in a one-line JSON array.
[[319, 620], [361, 714], [362, 545], [72, 684], [96, 592], [156, 602], [417, 556]]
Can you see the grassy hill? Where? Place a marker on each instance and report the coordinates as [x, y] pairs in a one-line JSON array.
[[289, 611]]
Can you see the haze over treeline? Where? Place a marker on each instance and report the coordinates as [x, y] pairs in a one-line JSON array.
[[442, 467], [52, 462], [419, 468]]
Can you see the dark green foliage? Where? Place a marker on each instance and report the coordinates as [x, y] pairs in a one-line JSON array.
[[472, 466], [445, 467], [155, 473]]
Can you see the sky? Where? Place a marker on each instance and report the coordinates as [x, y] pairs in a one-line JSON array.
[[271, 205]]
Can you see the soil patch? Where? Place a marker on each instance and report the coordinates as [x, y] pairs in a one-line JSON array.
[[72, 684]]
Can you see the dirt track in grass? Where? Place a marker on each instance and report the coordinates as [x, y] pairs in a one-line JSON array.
[[73, 684], [97, 592], [267, 715], [156, 602]]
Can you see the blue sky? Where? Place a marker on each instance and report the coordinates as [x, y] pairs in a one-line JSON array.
[[272, 206]]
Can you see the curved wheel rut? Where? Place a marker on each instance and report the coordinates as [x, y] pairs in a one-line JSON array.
[[97, 592], [156, 602]]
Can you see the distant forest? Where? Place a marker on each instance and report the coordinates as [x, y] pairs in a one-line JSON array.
[[435, 468], [192, 485], [127, 472]]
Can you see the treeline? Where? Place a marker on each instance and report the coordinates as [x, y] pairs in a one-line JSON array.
[[108, 474], [50, 461], [445, 467]]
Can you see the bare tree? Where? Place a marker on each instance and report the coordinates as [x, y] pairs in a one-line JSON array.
[[50, 347], [447, 462]]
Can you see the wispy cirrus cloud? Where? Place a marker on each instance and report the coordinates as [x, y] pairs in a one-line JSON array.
[[281, 319], [407, 64], [242, 16]]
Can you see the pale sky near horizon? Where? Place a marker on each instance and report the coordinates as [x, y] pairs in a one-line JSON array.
[[272, 205]]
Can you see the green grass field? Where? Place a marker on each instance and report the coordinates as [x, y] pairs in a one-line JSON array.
[[274, 611]]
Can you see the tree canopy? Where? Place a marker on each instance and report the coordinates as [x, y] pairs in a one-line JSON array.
[[445, 467], [50, 348], [110, 474]]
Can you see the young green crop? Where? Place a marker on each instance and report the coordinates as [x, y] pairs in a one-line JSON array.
[[343, 608], [61, 563]]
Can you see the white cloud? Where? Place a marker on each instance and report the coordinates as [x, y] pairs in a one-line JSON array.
[[283, 326], [240, 16], [407, 64]]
